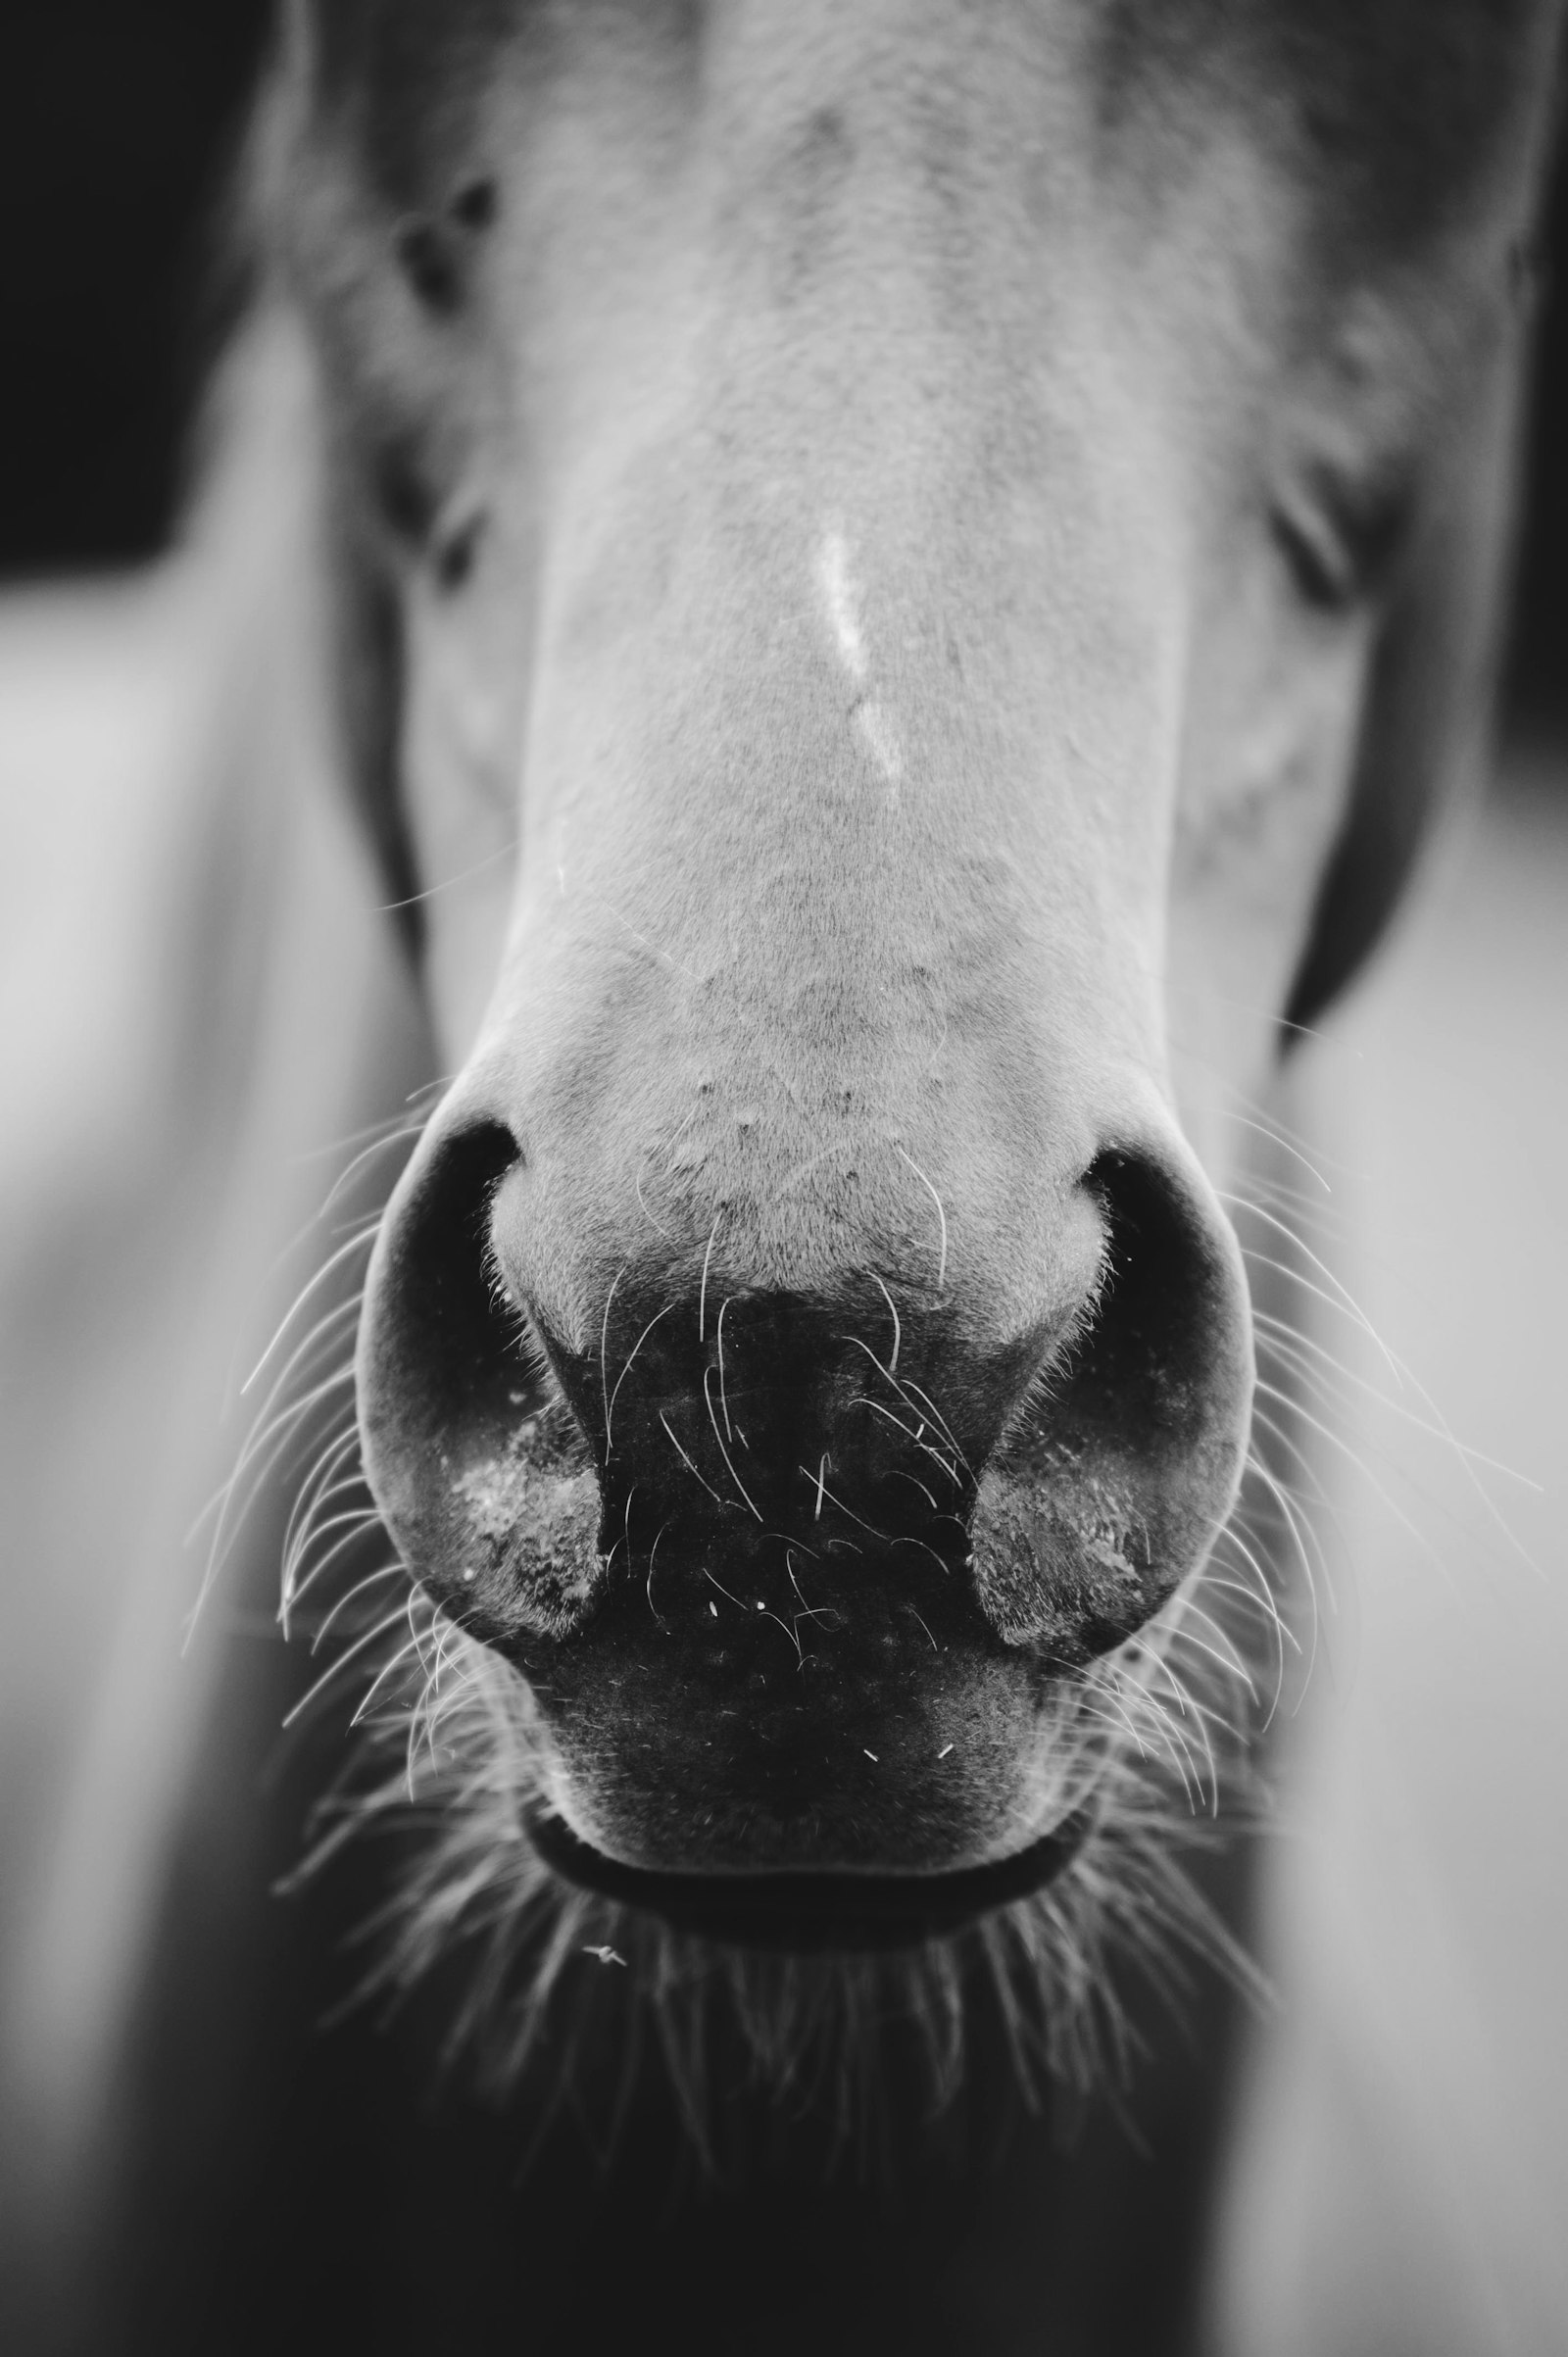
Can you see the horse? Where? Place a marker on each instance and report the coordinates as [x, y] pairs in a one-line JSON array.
[[894, 592]]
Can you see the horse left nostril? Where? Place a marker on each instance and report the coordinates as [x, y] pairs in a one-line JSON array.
[[1113, 1479]]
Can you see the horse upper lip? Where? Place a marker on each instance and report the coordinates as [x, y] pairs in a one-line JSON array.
[[805, 1912]]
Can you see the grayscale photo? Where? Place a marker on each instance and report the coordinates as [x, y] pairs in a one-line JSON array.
[[783, 1246]]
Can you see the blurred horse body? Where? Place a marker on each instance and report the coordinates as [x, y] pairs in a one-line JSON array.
[[359, 510]]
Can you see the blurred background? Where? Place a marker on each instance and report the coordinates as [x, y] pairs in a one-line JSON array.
[[120, 124], [1401, 2180]]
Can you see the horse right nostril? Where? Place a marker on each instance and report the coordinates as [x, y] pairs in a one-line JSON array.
[[1115, 1476]]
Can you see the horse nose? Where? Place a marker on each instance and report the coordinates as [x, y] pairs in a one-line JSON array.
[[739, 1535]]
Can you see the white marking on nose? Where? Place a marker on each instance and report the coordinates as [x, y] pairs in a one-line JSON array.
[[843, 599], [882, 742], [841, 596]]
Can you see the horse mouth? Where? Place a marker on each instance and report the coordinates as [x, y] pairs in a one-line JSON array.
[[801, 1913]]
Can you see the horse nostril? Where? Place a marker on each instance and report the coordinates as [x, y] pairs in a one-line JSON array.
[[478, 1465], [1114, 1477]]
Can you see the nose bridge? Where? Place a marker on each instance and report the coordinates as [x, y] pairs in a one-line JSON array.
[[839, 907], [844, 796], [878, 567]]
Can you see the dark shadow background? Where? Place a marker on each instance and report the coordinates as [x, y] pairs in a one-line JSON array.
[[119, 123]]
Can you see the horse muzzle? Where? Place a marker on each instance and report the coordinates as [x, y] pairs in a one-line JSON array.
[[807, 1580]]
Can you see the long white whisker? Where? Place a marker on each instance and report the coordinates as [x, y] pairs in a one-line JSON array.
[[358, 1242], [690, 1463], [942, 1263], [708, 1397], [604, 1352], [723, 1395], [336, 1668], [897, 1331], [626, 1367], [701, 1293]]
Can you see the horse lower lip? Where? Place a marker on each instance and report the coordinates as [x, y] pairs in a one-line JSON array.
[[813, 1914]]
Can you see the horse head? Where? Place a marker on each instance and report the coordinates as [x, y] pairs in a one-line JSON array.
[[903, 577]]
